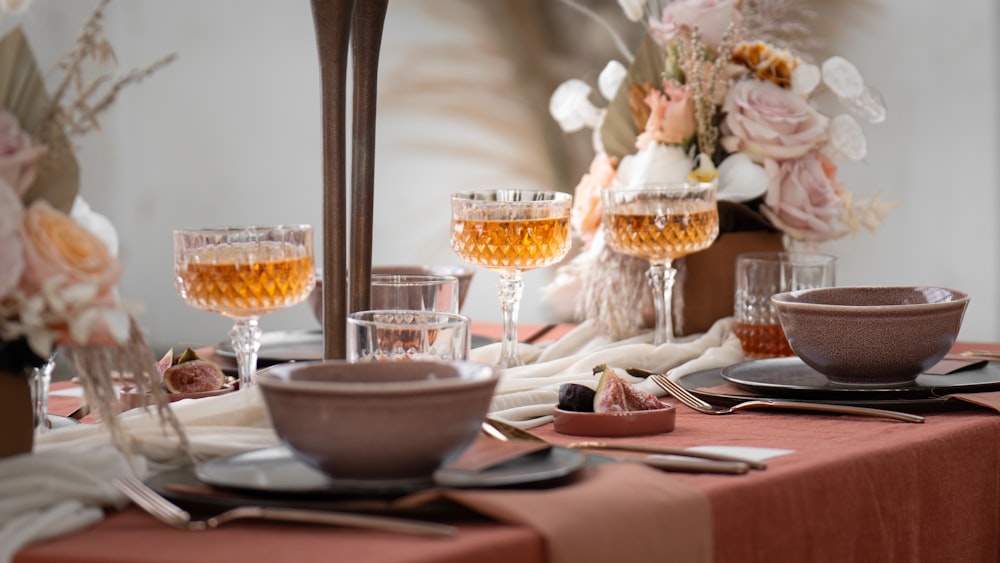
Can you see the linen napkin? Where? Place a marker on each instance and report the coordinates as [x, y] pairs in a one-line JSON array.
[[527, 395], [595, 519], [64, 484], [46, 495]]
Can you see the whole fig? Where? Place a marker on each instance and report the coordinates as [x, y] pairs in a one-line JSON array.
[[576, 397], [191, 374]]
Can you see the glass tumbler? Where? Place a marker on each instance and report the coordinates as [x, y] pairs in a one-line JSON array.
[[402, 335], [759, 275]]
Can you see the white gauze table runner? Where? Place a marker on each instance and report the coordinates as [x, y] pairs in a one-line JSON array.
[[526, 395]]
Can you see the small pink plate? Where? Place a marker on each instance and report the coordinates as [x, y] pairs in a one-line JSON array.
[[130, 399], [634, 423]]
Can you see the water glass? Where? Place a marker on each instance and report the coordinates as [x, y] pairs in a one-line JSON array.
[[759, 275], [404, 335], [417, 292]]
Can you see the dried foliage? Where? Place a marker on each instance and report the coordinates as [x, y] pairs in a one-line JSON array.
[[97, 366], [78, 100]]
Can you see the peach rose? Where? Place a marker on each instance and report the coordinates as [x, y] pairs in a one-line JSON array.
[[586, 214], [801, 199], [765, 121], [58, 247], [671, 118], [711, 17], [19, 155]]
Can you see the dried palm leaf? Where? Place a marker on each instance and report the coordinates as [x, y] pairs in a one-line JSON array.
[[22, 92], [619, 130]]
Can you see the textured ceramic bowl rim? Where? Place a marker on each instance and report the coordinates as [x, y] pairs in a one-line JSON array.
[[794, 299], [470, 373]]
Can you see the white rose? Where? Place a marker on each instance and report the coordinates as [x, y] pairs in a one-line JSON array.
[[655, 164], [740, 179]]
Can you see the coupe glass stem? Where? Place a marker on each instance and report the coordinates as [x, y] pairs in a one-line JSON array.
[[246, 343], [661, 278], [509, 290], [41, 379]]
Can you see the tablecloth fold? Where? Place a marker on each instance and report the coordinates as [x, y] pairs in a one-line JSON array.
[[612, 512]]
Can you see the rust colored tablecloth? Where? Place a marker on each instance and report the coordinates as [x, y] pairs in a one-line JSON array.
[[856, 489]]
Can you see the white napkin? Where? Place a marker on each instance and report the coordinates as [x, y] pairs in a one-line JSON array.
[[527, 395], [64, 484], [45, 495]]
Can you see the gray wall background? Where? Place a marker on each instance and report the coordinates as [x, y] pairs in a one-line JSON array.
[[230, 134]]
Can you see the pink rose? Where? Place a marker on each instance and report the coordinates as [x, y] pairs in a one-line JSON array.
[[765, 121], [58, 246], [11, 247], [711, 17], [801, 199], [671, 117], [19, 155], [586, 215]]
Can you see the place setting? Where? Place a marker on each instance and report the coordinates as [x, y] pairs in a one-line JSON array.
[[804, 339]]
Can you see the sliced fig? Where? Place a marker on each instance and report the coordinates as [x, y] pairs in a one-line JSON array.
[[576, 397], [165, 362], [191, 374], [614, 394]]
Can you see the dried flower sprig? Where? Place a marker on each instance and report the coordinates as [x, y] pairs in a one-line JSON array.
[[89, 98], [708, 81]]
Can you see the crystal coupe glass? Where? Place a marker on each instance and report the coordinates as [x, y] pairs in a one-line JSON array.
[[243, 273], [661, 222], [510, 231]]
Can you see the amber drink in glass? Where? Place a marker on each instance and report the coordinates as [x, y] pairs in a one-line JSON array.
[[661, 222], [759, 275], [509, 232], [243, 273]]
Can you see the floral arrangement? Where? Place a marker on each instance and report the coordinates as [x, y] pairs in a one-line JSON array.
[[721, 87], [58, 285]]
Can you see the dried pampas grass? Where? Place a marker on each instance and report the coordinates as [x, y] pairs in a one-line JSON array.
[[97, 366]]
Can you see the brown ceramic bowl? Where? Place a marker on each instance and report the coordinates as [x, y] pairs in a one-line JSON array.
[[463, 274], [871, 335], [377, 421]]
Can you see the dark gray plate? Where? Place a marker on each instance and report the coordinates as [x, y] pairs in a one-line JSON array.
[[277, 470], [703, 384], [792, 378]]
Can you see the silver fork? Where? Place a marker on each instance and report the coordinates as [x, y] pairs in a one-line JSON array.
[[169, 513], [686, 397]]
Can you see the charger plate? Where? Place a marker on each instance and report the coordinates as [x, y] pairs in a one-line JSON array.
[[276, 470], [710, 386], [791, 378]]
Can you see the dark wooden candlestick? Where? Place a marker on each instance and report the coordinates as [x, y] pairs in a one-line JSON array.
[[366, 38], [334, 20]]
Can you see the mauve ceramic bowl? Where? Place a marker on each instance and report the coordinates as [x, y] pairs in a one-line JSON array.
[[871, 335], [377, 421], [463, 274]]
